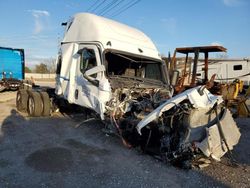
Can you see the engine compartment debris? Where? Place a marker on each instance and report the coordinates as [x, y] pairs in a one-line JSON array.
[[180, 129]]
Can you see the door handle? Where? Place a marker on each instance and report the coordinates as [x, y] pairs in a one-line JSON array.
[[76, 94]]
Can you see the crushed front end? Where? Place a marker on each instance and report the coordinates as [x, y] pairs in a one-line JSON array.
[[179, 129]]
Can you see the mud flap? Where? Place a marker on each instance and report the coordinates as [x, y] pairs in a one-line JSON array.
[[220, 137]]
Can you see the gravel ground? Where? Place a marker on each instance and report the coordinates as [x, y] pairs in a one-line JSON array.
[[51, 152], [7, 95]]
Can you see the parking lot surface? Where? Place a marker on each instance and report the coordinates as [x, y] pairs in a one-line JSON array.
[[51, 152]]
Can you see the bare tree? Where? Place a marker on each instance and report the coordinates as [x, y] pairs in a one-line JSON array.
[[41, 68], [51, 64]]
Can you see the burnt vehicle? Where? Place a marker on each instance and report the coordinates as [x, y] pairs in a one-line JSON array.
[[117, 72]]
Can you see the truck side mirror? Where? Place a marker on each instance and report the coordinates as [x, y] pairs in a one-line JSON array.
[[95, 70], [92, 71]]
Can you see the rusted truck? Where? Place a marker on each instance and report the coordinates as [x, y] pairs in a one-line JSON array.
[[117, 72]]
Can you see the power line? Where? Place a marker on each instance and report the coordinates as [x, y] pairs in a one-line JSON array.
[[92, 6], [110, 6], [105, 8], [129, 5], [102, 2], [121, 8]]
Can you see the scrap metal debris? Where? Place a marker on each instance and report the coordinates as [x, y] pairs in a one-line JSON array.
[[179, 129]]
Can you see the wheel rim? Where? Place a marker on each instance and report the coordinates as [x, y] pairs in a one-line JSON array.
[[19, 101], [31, 105], [18, 98]]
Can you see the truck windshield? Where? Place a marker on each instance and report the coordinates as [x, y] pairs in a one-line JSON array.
[[123, 65]]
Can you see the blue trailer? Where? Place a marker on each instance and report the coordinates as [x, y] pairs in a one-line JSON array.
[[11, 68]]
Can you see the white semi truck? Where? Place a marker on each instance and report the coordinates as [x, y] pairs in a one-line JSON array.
[[117, 72]]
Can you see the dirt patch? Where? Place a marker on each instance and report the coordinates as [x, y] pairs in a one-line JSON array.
[[50, 160], [7, 96]]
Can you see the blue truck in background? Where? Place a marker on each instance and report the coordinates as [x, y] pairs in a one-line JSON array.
[[11, 68]]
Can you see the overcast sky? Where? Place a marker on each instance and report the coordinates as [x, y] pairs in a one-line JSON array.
[[36, 25]]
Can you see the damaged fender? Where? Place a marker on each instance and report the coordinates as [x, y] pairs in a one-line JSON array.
[[208, 126], [198, 97], [221, 137]]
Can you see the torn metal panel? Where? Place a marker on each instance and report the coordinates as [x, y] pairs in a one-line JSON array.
[[230, 130], [213, 145], [220, 138], [199, 97]]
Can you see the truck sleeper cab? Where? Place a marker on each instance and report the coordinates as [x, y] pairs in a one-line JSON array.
[[92, 62]]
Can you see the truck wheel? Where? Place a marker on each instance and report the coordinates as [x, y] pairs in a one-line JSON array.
[[46, 103], [2, 87], [22, 100], [34, 104]]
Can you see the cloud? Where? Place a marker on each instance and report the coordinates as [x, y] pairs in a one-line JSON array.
[[40, 19], [232, 3], [39, 13], [169, 24]]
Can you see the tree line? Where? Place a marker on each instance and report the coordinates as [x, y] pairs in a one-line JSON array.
[[45, 67]]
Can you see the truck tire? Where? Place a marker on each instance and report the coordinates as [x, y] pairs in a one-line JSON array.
[[46, 103], [2, 87], [34, 104], [22, 100]]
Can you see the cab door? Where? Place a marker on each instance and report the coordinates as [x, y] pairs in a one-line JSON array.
[[88, 75]]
